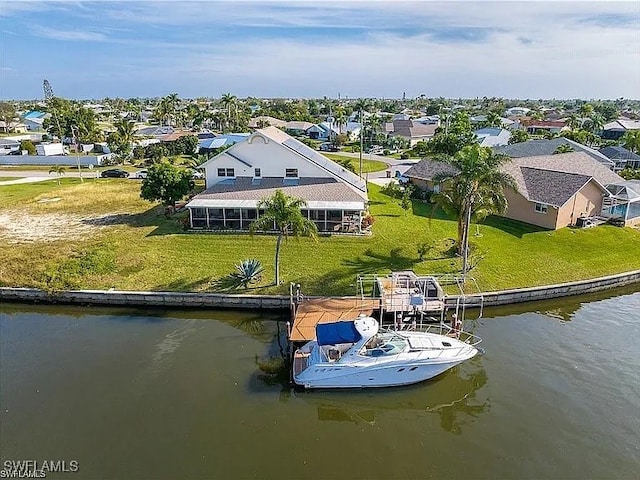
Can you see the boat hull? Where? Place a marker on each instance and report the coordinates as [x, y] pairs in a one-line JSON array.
[[367, 376]]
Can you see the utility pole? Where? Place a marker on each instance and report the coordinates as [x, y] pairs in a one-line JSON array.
[[74, 130], [361, 140]]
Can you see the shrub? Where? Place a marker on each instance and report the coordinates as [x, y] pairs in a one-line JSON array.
[[28, 146], [423, 249], [248, 271], [392, 190], [404, 156], [368, 220]]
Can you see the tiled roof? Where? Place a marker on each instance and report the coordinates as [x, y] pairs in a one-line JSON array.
[[310, 189]]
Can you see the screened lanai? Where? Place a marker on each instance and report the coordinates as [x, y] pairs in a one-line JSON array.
[[332, 206], [624, 202]]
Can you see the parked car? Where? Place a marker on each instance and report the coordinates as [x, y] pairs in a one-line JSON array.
[[114, 173], [376, 150], [196, 175], [140, 174], [329, 147]]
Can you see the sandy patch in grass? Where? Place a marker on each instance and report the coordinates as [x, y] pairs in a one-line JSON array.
[[18, 227]]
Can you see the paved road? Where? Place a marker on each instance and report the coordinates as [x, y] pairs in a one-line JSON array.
[[380, 178], [30, 176]]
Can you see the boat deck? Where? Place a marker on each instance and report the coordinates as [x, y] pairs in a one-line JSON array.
[[312, 311]]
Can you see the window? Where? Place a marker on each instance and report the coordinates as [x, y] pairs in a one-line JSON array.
[[226, 172], [257, 173], [540, 208], [291, 173]]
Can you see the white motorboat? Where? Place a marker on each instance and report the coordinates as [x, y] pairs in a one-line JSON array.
[[358, 354]]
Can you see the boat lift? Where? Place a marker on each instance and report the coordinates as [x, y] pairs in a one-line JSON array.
[[408, 300]]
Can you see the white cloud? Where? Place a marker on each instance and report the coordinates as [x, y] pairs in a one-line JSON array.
[[69, 35]]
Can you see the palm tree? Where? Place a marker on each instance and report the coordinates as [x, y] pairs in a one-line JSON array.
[[573, 121], [360, 106], [339, 116], [494, 120], [58, 170], [631, 140], [229, 100], [474, 190], [283, 212], [596, 122], [124, 132], [564, 148]]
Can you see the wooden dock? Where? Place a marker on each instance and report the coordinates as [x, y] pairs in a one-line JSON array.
[[312, 311]]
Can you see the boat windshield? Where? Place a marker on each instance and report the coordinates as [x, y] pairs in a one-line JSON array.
[[380, 345]]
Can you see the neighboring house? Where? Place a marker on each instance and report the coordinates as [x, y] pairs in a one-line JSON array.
[[207, 145], [555, 190], [8, 146], [493, 137], [622, 157], [539, 126], [323, 131], [13, 127], [297, 127], [154, 131], [516, 111], [422, 174], [33, 120], [238, 178], [266, 121], [616, 129], [326, 131], [624, 202], [428, 120], [410, 130], [175, 135], [533, 148]]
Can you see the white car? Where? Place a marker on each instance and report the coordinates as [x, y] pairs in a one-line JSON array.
[[140, 174], [196, 175]]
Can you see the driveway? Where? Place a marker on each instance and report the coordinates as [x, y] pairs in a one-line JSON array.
[[380, 178]]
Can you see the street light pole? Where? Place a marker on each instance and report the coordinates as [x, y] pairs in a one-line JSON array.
[[361, 140], [74, 130]]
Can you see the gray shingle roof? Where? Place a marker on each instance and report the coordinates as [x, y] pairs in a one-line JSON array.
[[534, 148], [309, 189], [619, 153], [552, 188], [427, 169]]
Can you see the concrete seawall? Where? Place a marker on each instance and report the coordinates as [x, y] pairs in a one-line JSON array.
[[280, 302]]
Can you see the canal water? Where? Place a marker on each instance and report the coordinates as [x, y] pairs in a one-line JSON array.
[[151, 394]]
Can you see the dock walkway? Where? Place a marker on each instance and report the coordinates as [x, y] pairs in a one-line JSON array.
[[312, 311]]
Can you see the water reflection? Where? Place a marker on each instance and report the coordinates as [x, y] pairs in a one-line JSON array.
[[563, 309], [456, 397]]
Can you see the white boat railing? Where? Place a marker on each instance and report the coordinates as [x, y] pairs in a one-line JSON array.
[[446, 331]]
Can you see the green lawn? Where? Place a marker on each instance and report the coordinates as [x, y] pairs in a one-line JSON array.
[[144, 250], [368, 166]]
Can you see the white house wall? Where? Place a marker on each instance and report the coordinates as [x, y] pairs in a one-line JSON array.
[[271, 158]]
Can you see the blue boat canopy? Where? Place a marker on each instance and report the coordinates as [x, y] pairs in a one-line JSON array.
[[337, 332]]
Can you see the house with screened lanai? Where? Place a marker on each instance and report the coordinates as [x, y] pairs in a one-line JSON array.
[[269, 160]]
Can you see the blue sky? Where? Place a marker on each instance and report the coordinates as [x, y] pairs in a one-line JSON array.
[[320, 48]]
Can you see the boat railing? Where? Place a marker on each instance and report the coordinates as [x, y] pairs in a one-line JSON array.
[[445, 330]]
